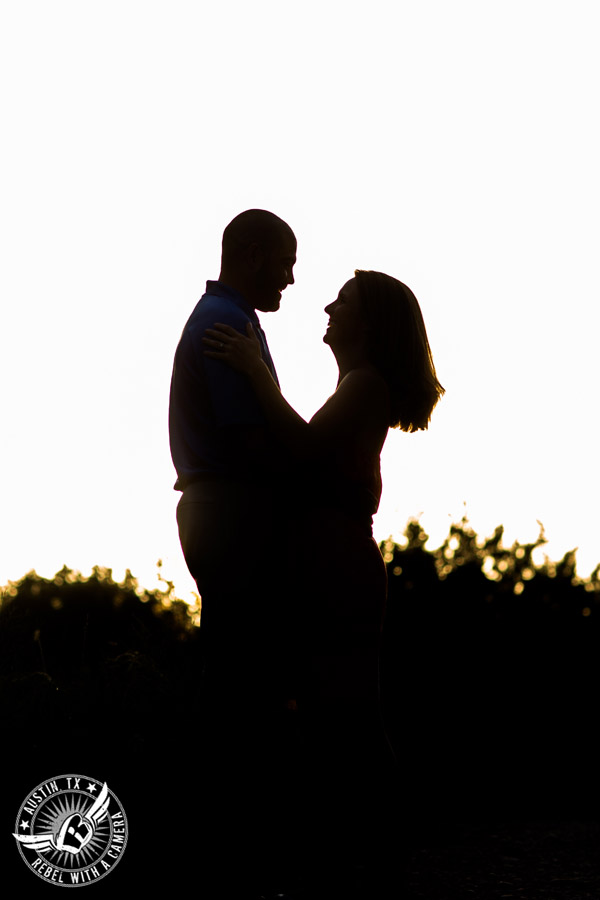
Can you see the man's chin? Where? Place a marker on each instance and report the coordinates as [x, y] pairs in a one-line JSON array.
[[270, 305]]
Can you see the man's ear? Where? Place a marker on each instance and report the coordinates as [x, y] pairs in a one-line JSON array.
[[255, 256]]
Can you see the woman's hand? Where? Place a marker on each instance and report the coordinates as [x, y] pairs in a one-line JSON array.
[[232, 347]]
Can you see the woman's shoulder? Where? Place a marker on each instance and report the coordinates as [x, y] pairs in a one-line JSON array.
[[360, 403], [365, 374], [369, 383]]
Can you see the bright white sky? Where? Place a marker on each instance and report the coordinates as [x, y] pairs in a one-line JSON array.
[[454, 145]]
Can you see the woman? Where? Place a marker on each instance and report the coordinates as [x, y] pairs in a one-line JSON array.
[[386, 379]]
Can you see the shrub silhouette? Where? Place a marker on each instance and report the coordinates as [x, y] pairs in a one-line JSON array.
[[89, 662], [70, 623], [490, 673]]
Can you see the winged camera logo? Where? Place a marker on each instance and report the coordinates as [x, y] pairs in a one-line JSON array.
[[71, 830]]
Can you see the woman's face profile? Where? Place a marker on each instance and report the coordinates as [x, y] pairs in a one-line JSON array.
[[346, 323]]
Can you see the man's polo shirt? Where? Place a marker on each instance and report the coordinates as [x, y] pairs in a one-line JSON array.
[[207, 395]]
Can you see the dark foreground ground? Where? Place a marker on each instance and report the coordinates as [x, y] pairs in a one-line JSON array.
[[550, 860], [494, 728], [163, 791]]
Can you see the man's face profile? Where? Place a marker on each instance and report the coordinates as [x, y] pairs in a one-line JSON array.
[[275, 273]]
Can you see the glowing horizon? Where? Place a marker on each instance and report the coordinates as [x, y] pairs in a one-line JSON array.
[[449, 146]]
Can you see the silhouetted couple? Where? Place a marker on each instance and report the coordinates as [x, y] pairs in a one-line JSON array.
[[275, 522]]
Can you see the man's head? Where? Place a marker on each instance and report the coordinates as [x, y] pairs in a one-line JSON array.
[[258, 257]]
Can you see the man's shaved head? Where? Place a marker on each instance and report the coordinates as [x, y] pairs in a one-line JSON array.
[[254, 226]]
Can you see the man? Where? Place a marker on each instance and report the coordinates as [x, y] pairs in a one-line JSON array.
[[227, 469], [225, 459]]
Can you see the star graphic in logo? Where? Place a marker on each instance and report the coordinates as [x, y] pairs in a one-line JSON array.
[[92, 787], [24, 825]]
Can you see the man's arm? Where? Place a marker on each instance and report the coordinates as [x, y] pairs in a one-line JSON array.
[[216, 423], [246, 441]]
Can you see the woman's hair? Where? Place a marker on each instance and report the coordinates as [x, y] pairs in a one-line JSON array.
[[399, 349]]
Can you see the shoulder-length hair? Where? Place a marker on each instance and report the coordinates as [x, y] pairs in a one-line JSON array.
[[399, 349]]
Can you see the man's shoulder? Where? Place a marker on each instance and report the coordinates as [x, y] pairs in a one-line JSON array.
[[212, 308]]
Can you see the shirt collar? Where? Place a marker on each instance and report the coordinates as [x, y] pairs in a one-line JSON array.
[[218, 289]]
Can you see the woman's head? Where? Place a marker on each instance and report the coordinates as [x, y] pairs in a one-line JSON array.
[[397, 346], [346, 328]]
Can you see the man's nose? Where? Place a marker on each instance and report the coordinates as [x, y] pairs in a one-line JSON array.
[[329, 309], [291, 276]]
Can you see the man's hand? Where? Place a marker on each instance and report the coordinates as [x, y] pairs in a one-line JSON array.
[[232, 347]]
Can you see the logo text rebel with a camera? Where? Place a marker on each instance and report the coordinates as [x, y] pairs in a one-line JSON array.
[[71, 830]]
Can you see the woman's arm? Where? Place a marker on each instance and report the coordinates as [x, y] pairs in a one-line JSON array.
[[359, 400], [243, 353]]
